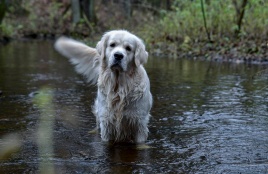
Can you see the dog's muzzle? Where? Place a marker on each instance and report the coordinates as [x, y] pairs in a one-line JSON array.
[[117, 61]]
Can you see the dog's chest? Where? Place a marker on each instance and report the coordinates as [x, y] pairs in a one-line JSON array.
[[122, 93]]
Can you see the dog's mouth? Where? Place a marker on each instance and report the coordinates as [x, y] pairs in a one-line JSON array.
[[116, 67]]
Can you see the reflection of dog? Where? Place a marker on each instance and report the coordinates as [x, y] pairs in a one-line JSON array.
[[124, 99]]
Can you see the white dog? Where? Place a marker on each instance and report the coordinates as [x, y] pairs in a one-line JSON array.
[[124, 99]]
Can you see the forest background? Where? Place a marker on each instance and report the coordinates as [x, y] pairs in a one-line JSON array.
[[227, 30]]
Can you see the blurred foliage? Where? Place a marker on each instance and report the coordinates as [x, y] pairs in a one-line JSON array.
[[43, 100], [174, 18], [186, 20], [10, 145]]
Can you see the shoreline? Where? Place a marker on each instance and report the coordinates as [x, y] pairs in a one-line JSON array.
[[168, 50]]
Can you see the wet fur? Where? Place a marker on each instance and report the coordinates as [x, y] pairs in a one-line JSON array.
[[124, 99]]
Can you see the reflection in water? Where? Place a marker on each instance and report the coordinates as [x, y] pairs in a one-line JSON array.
[[127, 159], [207, 117]]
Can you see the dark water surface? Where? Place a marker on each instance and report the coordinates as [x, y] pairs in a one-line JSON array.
[[206, 118]]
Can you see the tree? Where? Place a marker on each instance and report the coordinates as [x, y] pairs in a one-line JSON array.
[[240, 11], [2, 10], [88, 7], [127, 8], [75, 11], [205, 21]]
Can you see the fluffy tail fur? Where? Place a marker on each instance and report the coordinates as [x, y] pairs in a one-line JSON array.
[[85, 58]]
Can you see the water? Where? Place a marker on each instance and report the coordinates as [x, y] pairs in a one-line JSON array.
[[207, 117]]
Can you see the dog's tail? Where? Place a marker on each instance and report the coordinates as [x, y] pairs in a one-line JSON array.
[[85, 58]]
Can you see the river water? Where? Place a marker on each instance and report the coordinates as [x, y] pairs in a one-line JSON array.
[[207, 117]]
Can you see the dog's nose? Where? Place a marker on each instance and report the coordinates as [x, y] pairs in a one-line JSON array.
[[118, 56]]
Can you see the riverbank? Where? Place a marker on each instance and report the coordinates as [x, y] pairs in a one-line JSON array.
[[236, 51]]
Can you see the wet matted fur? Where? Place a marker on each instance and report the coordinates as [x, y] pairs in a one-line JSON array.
[[123, 103]]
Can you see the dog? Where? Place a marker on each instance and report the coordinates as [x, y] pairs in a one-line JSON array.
[[123, 103]]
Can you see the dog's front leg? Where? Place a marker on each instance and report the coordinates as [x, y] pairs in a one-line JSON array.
[[142, 131]]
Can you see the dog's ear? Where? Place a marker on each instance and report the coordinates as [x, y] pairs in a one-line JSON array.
[[141, 55], [102, 44]]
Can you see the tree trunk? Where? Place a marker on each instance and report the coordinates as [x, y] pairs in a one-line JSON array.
[[75, 11], [89, 10], [240, 11], [127, 8], [205, 21], [2, 10], [168, 4]]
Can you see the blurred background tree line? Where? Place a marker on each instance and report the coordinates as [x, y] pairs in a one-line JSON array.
[[191, 26]]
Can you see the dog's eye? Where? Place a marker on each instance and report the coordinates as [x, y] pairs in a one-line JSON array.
[[112, 45], [128, 48]]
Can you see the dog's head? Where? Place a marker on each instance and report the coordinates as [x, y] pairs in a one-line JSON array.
[[120, 49]]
